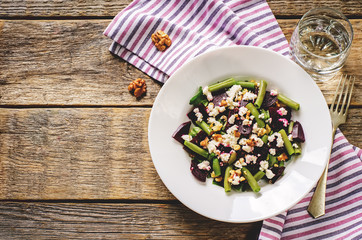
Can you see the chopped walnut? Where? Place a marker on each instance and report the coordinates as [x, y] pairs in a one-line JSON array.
[[283, 157], [161, 40], [137, 87]]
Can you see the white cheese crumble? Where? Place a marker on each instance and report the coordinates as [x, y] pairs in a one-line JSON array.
[[282, 111], [247, 122], [198, 114], [224, 157], [232, 119], [272, 151], [250, 158], [258, 141], [247, 148], [240, 163], [208, 94], [269, 174], [278, 136], [243, 141], [262, 116], [242, 111], [211, 146], [236, 180], [233, 91], [249, 96], [290, 137], [273, 92], [295, 145], [186, 137], [263, 165], [204, 165]]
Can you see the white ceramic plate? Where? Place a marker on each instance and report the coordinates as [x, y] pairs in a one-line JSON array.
[[173, 163]]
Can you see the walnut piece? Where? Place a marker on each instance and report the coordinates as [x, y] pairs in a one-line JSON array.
[[161, 40], [137, 87]]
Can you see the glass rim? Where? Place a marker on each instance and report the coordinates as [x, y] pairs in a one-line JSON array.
[[343, 17]]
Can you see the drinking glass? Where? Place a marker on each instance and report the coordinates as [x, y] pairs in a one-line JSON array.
[[321, 42]]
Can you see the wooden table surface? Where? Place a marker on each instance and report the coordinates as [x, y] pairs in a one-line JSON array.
[[74, 156]]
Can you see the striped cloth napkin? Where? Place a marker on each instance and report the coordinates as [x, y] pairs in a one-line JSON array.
[[194, 28], [343, 218], [199, 26]]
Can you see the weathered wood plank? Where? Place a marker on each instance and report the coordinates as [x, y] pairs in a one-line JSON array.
[[68, 63], [87, 153], [104, 8], [114, 221]]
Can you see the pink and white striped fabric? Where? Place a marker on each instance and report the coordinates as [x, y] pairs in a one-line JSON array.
[[194, 27], [343, 218]]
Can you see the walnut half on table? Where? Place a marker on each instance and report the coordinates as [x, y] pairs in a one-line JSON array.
[[161, 40], [137, 87]]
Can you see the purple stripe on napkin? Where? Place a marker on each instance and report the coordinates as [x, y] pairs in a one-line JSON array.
[[194, 28], [343, 218]]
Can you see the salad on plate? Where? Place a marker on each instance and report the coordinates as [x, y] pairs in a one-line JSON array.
[[240, 133]]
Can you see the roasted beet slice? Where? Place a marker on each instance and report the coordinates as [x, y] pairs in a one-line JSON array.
[[269, 100], [198, 173], [183, 129], [200, 136], [278, 171], [298, 133], [224, 149], [218, 97], [277, 122]]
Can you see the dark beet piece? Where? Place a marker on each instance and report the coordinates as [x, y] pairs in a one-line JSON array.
[[218, 97], [278, 171], [198, 173], [298, 133], [183, 129], [244, 130], [269, 100], [200, 136], [262, 151], [224, 149], [275, 116]]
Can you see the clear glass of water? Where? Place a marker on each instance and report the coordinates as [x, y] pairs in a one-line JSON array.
[[321, 42]]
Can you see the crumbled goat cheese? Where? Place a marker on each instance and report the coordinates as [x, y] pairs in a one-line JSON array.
[[211, 146], [216, 110], [236, 180], [204, 165], [242, 111], [243, 141], [186, 137], [263, 165], [258, 141], [262, 116], [240, 163], [208, 94], [210, 107], [273, 92], [198, 114], [269, 174], [282, 111], [232, 92], [232, 119], [249, 96], [284, 121], [250, 158], [225, 157], [290, 137], [247, 148], [211, 120], [280, 142], [247, 122], [272, 151], [229, 139], [295, 145]]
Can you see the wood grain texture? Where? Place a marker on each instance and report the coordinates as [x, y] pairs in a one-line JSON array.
[[114, 221], [87, 153], [109, 8], [68, 63]]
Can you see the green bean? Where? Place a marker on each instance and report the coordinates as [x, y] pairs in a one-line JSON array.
[[193, 147], [204, 126], [261, 94], [245, 84], [298, 150], [287, 143], [256, 114], [227, 185], [194, 131], [221, 85], [259, 175], [251, 180], [290, 127], [216, 167], [289, 102], [281, 163], [232, 158], [198, 98], [264, 138], [272, 160]]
